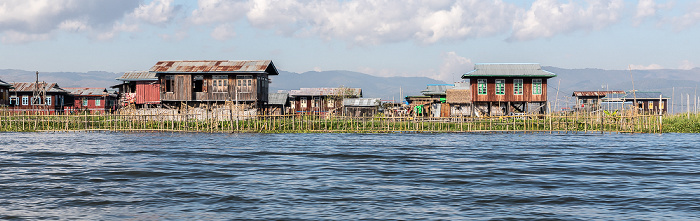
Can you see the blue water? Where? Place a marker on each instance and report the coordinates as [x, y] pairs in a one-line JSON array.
[[197, 176]]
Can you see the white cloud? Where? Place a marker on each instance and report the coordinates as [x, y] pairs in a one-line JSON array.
[[647, 67], [686, 65], [646, 8], [157, 12], [689, 19], [24, 21], [216, 11], [453, 66], [547, 18], [223, 32]]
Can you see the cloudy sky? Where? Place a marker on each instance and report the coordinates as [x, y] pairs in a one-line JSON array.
[[440, 39]]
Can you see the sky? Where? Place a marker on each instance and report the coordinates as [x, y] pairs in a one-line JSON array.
[[440, 39]]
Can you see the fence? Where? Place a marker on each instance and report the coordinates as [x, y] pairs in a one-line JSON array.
[[239, 121]]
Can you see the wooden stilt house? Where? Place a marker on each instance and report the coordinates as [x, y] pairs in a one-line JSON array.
[[196, 82], [5, 93], [506, 88]]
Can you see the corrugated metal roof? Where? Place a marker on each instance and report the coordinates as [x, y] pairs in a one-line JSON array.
[[86, 91], [356, 92], [5, 84], [437, 89], [508, 70], [24, 87], [222, 66], [595, 93], [362, 102], [138, 76], [277, 98], [644, 95]]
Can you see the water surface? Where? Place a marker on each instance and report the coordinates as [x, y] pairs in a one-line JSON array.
[[200, 176]]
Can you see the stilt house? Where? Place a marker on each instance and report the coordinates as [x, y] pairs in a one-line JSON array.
[[505, 88], [5, 93], [141, 88], [39, 97], [321, 100], [92, 100], [244, 82]]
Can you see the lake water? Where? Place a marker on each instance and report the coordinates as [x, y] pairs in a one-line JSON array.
[[199, 176]]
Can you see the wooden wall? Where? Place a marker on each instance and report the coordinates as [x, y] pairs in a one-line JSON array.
[[183, 89]]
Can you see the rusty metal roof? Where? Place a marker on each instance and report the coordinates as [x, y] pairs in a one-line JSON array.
[[138, 76], [353, 92], [209, 66], [86, 91], [29, 87], [595, 93], [508, 70]]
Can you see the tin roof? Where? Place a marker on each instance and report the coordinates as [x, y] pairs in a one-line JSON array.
[[354, 92], [4, 84], [362, 102], [138, 76], [437, 89], [595, 93], [644, 95], [29, 87], [508, 70], [277, 98], [210, 66], [86, 91]]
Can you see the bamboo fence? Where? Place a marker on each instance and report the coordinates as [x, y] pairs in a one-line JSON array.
[[229, 121]]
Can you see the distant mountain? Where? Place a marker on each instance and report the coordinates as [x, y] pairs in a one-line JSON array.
[[387, 88], [64, 79]]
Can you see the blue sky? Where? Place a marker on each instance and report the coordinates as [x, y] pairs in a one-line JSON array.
[[440, 39]]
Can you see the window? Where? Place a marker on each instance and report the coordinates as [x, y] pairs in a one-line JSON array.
[[537, 86], [482, 86], [197, 83], [13, 101], [302, 103], [331, 103], [651, 105], [220, 83], [36, 100], [661, 105], [518, 86], [500, 86], [98, 102], [244, 84], [25, 100], [48, 100], [85, 102], [169, 83]]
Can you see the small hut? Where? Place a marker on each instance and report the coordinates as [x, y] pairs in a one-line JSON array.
[[361, 107], [141, 88]]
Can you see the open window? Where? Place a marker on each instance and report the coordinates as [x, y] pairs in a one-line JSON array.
[[169, 83], [198, 83]]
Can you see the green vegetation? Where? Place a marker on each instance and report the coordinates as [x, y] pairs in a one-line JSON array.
[[682, 123], [572, 122]]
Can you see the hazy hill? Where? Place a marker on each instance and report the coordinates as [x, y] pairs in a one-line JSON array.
[[387, 88], [64, 79]]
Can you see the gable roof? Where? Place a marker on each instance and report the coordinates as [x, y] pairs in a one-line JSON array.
[[277, 98], [595, 93], [354, 92], [138, 76], [30, 87], [646, 95], [215, 66], [362, 102], [437, 89], [508, 70], [5, 84], [86, 91]]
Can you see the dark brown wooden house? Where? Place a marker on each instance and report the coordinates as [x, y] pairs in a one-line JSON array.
[[505, 88], [591, 100], [194, 82], [648, 102], [5, 93]]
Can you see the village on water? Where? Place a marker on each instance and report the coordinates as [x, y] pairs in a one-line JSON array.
[[491, 89]]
